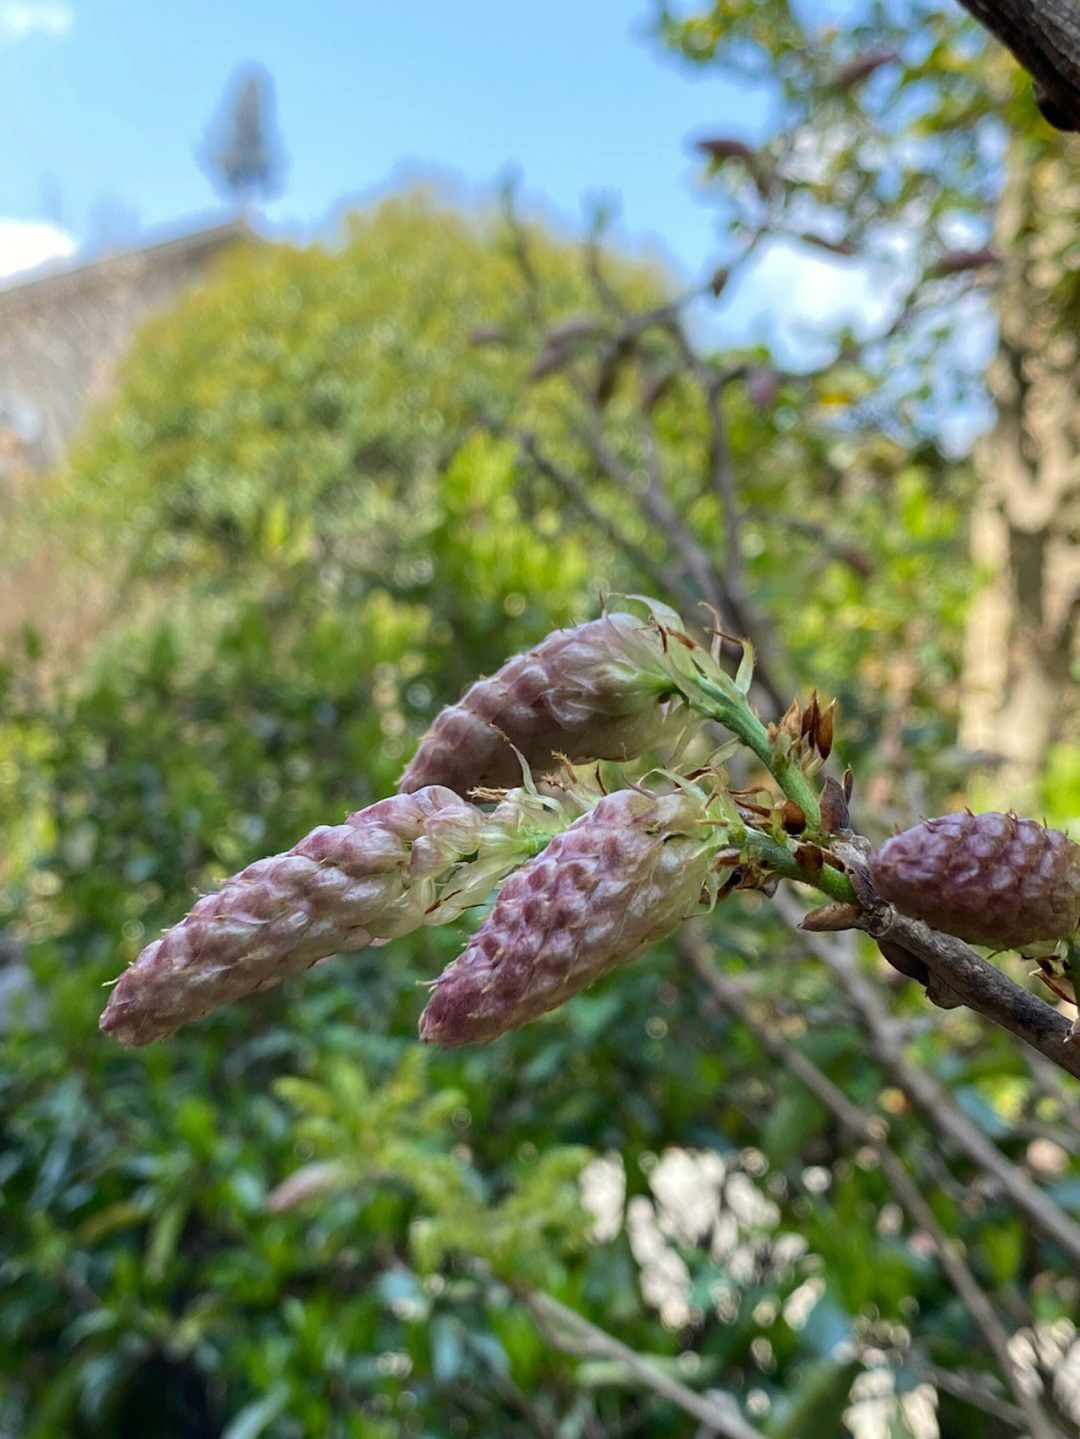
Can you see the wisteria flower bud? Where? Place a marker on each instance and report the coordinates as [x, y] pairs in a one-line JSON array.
[[616, 880], [986, 878], [593, 692], [341, 888]]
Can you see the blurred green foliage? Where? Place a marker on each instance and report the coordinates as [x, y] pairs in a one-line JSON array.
[[289, 1220]]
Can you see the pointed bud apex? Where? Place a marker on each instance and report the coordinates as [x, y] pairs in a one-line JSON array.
[[823, 732], [339, 889]]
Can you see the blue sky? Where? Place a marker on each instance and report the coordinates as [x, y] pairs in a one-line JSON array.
[[102, 103]]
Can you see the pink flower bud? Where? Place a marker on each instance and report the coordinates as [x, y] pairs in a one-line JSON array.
[[619, 878], [340, 888], [986, 878], [594, 692]]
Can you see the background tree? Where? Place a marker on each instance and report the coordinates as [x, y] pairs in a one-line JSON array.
[[242, 153], [1019, 699]]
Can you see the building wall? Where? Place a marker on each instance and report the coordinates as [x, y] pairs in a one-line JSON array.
[[63, 333]]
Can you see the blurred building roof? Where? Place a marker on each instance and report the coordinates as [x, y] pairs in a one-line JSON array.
[[65, 326]]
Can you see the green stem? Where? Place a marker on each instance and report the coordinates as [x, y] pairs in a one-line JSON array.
[[781, 859], [735, 714]]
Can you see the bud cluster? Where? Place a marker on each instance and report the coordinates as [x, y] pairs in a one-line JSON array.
[[588, 879]]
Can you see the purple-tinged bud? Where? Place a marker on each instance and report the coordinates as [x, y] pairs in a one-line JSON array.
[[619, 878], [988, 879], [341, 888], [593, 692]]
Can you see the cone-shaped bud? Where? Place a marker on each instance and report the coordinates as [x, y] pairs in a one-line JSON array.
[[619, 878], [593, 692], [340, 888], [986, 878]]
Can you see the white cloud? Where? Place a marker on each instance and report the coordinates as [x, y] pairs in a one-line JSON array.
[[20, 18], [794, 295], [25, 244]]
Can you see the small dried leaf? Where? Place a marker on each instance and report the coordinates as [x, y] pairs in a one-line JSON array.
[[834, 808], [725, 147], [862, 67], [791, 817], [791, 724], [830, 917]]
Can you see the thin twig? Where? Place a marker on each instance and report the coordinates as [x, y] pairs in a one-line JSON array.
[[968, 1389], [577, 1335], [657, 506], [666, 580], [871, 1130], [924, 1091]]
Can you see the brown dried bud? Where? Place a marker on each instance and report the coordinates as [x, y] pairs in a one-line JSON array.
[[823, 731], [615, 881], [594, 692], [810, 716], [339, 889], [718, 280], [830, 917], [792, 722]]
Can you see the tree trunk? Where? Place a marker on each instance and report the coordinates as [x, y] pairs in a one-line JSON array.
[[1019, 694]]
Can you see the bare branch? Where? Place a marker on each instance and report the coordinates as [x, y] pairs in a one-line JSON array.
[[574, 1334], [667, 580], [969, 1389], [924, 1091], [871, 1130], [656, 504]]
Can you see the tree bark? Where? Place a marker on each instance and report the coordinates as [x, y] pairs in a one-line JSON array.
[[1044, 35], [1018, 692]]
